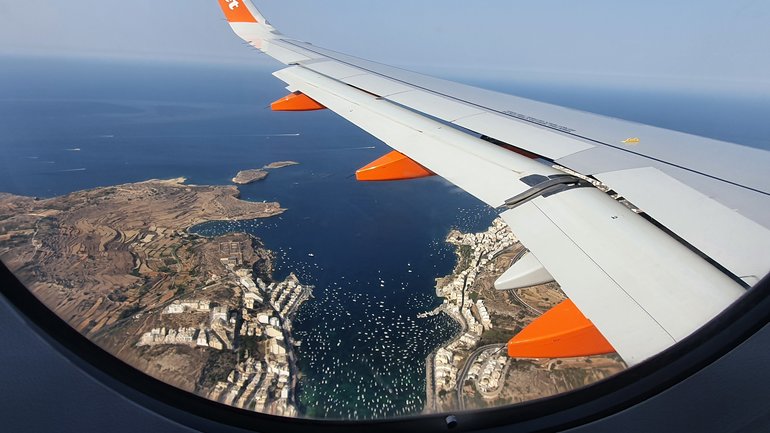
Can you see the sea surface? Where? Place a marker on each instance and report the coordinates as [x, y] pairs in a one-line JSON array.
[[372, 250]]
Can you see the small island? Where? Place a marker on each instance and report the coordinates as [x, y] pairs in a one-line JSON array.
[[245, 177], [281, 164]]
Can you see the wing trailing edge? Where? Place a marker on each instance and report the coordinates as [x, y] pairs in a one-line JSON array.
[[642, 287]]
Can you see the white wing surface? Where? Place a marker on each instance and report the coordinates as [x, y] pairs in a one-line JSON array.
[[646, 279]]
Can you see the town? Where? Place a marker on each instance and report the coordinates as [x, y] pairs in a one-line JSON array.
[[476, 252], [265, 376]]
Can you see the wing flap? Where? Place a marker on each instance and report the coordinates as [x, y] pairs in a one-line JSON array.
[[747, 202], [438, 107], [377, 85], [643, 290], [520, 135], [696, 218]]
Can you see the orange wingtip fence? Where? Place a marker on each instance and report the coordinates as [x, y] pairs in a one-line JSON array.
[[562, 332], [393, 166], [236, 11]]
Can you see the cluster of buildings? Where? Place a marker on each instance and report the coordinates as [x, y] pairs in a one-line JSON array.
[[277, 379], [488, 371], [284, 297], [263, 379], [481, 249], [261, 383], [481, 312], [251, 292], [186, 336], [217, 335], [444, 371], [287, 295], [240, 384], [231, 254]]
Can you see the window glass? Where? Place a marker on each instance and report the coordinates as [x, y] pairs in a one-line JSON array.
[[228, 250]]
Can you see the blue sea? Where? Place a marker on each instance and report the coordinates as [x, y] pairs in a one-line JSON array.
[[372, 250]]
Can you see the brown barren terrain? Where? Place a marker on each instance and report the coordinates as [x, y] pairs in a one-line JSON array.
[[92, 254], [108, 260]]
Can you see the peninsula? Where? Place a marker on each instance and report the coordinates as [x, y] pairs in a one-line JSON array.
[[203, 314]]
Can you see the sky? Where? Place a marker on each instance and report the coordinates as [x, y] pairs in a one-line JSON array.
[[711, 43]]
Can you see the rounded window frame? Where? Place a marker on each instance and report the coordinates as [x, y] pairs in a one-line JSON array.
[[599, 400]]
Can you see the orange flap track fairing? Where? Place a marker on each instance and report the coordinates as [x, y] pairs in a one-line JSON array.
[[393, 166], [296, 101], [562, 332]]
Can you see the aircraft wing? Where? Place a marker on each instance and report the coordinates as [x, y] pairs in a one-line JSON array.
[[646, 275]]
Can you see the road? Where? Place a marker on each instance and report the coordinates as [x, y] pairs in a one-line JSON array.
[[534, 310], [467, 366]]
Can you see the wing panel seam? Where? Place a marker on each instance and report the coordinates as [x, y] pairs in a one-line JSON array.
[[545, 214], [535, 123]]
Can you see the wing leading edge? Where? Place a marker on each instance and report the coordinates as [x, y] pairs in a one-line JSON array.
[[645, 282]]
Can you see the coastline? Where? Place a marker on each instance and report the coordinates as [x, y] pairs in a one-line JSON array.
[[471, 370], [245, 177], [202, 314]]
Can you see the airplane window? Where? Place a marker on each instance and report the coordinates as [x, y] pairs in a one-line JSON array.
[[239, 253]]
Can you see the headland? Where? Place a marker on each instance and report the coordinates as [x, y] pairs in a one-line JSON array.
[[203, 314]]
